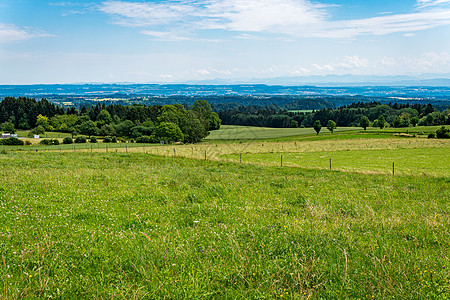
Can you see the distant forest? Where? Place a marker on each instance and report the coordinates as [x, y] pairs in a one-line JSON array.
[[191, 123], [395, 115], [154, 123]]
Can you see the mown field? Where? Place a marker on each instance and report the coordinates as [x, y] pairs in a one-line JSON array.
[[136, 221], [234, 132]]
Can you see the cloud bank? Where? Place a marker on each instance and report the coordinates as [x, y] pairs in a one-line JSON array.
[[12, 33], [295, 18]]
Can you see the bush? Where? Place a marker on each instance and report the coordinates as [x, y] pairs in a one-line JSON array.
[[109, 139], [443, 133], [93, 140], [12, 141], [145, 139], [67, 140], [38, 130], [48, 142], [432, 135], [80, 140]]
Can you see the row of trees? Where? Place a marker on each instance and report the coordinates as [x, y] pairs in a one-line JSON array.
[[392, 115], [156, 123]]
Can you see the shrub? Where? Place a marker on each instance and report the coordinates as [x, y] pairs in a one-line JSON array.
[[145, 139], [443, 133], [80, 140], [12, 141], [48, 142], [109, 139], [67, 140], [432, 135], [45, 142], [93, 140], [38, 130]]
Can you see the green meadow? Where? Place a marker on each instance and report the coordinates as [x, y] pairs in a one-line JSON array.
[[234, 132], [141, 221]]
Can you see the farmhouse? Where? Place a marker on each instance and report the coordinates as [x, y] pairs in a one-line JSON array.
[[5, 135]]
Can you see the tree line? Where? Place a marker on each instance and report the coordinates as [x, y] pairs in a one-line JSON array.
[[154, 123], [356, 114]]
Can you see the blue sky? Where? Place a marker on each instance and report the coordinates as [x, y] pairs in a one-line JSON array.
[[176, 41]]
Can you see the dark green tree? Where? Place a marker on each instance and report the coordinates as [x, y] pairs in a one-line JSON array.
[[38, 130], [208, 118], [124, 128], [443, 133], [331, 125], [414, 121], [381, 122], [168, 132], [104, 117], [8, 127], [88, 128], [364, 122], [317, 126]]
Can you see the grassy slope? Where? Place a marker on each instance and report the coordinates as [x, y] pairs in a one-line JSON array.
[[134, 225], [233, 132]]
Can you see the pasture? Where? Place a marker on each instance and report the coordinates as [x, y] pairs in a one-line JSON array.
[[118, 225], [136, 221], [233, 132]]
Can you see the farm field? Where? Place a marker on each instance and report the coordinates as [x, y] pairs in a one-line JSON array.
[[135, 225], [407, 161], [223, 219], [234, 132]]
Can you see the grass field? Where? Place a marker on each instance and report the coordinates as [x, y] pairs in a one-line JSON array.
[[413, 161], [233, 132], [136, 221], [134, 225]]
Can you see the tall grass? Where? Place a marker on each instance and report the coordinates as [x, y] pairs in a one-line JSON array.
[[134, 225]]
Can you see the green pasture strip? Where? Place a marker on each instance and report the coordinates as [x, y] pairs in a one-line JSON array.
[[424, 130], [46, 135], [139, 226], [121, 147], [412, 161], [233, 132]]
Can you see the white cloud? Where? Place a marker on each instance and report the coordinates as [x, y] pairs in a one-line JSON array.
[[262, 15], [429, 3], [164, 36], [348, 63], [146, 14], [386, 24], [298, 18], [11, 33], [428, 62]]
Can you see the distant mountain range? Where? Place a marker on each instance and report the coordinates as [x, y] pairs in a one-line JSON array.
[[342, 80]]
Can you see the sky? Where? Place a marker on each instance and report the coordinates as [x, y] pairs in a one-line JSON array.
[[112, 41]]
